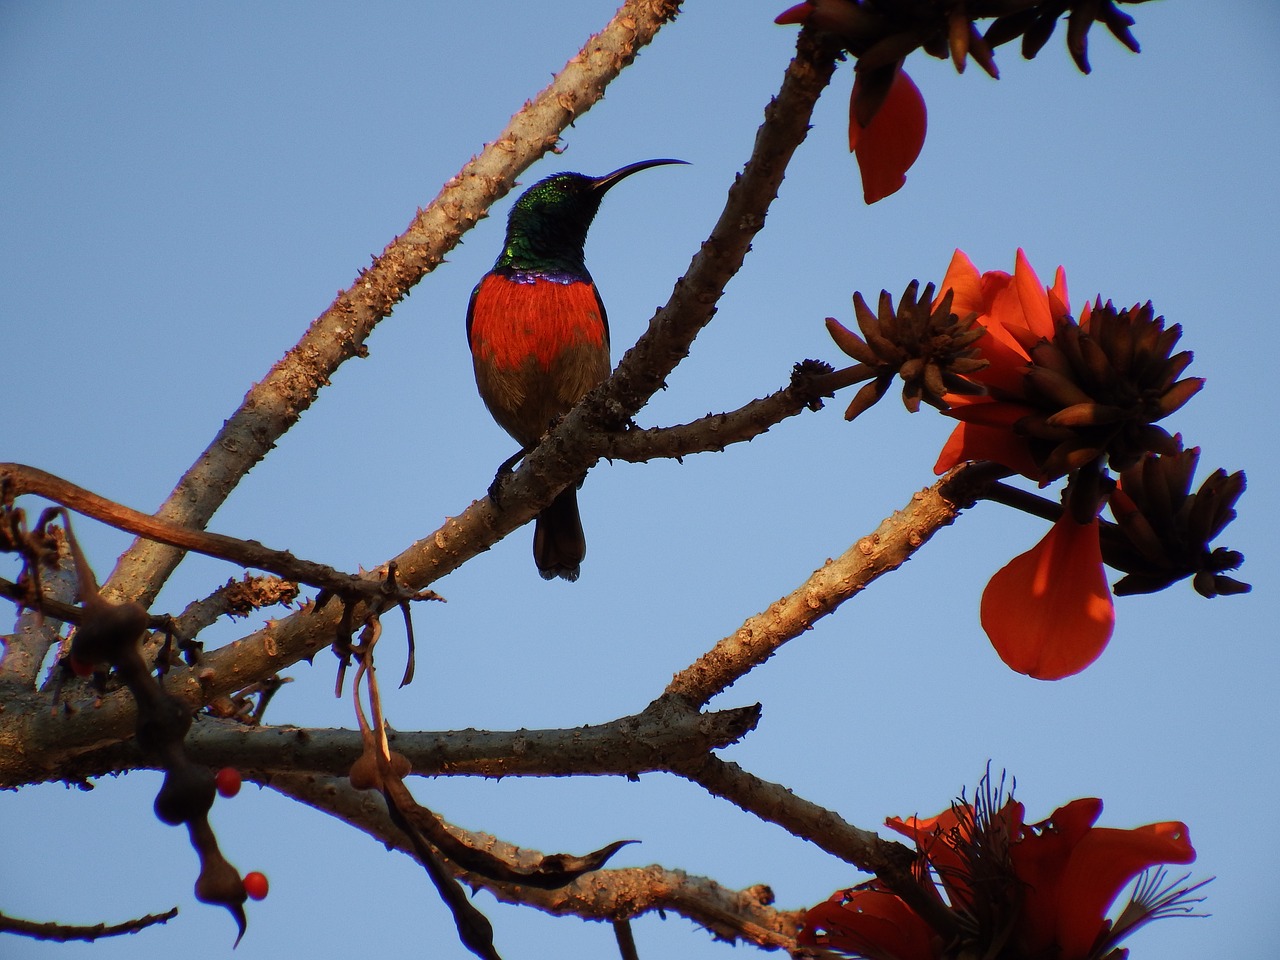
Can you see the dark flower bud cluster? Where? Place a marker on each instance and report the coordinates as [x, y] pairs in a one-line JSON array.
[[930, 348], [1035, 23], [880, 33], [1166, 529], [1098, 388]]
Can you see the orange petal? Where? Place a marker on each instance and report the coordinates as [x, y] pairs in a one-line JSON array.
[[935, 837], [1101, 865], [1048, 612], [1059, 302], [1005, 317], [1034, 297], [888, 145], [963, 279], [1040, 860], [972, 441], [873, 923]]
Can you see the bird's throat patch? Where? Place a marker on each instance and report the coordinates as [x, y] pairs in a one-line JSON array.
[[515, 319]]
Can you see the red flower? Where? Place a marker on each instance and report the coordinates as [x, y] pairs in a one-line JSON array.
[[1048, 612], [869, 921], [887, 116], [1037, 890], [1017, 312]]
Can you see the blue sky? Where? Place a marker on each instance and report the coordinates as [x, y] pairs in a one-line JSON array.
[[187, 186]]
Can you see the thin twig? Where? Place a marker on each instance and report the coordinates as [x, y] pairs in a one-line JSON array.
[[64, 932], [715, 431], [626, 940], [20, 479]]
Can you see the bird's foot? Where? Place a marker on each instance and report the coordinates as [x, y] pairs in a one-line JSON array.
[[504, 471]]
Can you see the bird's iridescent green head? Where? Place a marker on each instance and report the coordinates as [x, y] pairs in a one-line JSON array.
[[547, 227]]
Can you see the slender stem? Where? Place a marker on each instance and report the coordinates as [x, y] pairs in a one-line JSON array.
[[19, 479]]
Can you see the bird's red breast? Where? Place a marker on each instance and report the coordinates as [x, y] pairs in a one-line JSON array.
[[512, 320]]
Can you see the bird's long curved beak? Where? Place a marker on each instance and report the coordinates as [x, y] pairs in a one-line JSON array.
[[610, 179]]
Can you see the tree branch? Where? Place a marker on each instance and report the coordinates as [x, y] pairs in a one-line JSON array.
[[66, 931], [714, 432], [734, 916], [35, 632], [892, 543], [275, 403], [77, 747], [235, 598], [892, 862], [19, 479]]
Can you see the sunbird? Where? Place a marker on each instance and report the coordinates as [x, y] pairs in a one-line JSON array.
[[539, 335]]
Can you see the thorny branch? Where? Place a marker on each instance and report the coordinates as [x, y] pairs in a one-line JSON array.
[[665, 733], [888, 859], [892, 543], [64, 932], [735, 916]]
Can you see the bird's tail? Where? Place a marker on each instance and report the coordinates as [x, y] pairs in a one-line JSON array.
[[558, 541]]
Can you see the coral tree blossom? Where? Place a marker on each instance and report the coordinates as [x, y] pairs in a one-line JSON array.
[[887, 117], [1048, 612], [1008, 888]]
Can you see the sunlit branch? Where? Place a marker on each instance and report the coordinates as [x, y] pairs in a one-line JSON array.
[[888, 547], [733, 915], [276, 402], [235, 598], [37, 630]]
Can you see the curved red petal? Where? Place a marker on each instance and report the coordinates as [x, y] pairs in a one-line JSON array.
[[1102, 864], [1048, 612], [1059, 302], [872, 923], [935, 838], [971, 441], [965, 283], [1039, 861], [1034, 298], [888, 145]]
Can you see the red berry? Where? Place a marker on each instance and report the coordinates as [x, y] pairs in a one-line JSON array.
[[227, 781], [255, 885]]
